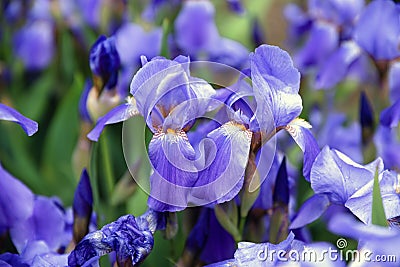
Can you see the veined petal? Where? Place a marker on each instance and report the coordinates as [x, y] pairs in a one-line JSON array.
[[380, 42], [299, 129], [276, 85], [360, 203], [10, 114], [311, 210], [120, 113], [225, 159], [172, 157], [390, 116], [16, 200], [335, 174], [130, 241]]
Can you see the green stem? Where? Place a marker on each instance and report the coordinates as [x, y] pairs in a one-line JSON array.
[[106, 160]]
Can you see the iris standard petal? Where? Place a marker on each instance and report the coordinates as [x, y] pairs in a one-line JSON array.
[[390, 116], [195, 28], [276, 85], [226, 155], [172, 157], [378, 29], [311, 210], [162, 83], [46, 223], [16, 200], [10, 114], [299, 129], [118, 114]]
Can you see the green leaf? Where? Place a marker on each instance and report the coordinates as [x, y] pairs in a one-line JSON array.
[[164, 42], [61, 138], [378, 212], [226, 220]]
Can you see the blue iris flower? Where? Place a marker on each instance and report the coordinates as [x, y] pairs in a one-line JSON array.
[[170, 100], [131, 238], [337, 179]]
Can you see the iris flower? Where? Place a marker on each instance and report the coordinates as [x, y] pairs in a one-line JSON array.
[[170, 100]]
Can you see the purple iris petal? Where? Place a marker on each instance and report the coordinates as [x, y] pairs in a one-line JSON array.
[[40, 10], [378, 29], [276, 85], [264, 200], [394, 81], [336, 67], [195, 28], [11, 260], [131, 238], [105, 61], [247, 253], [83, 110], [347, 225], [371, 237], [300, 131], [236, 6], [156, 79], [16, 200], [360, 203], [390, 116], [46, 223], [281, 189], [10, 114], [335, 174], [336, 11], [117, 114], [331, 131], [209, 239], [299, 21], [225, 161], [83, 198], [90, 10], [82, 206], [34, 44], [172, 157], [229, 52], [388, 146], [132, 41], [311, 210], [324, 37]]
